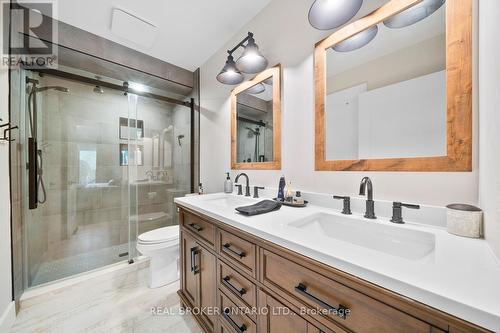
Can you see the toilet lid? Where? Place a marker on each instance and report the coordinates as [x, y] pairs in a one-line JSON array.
[[160, 235]]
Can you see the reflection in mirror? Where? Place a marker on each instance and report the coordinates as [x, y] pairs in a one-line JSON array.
[[254, 131], [387, 99]]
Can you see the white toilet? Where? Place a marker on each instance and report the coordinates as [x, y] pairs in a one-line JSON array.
[[162, 246]]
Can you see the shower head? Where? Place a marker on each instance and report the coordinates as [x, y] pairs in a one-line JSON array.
[[254, 132], [98, 90], [58, 88], [179, 137]]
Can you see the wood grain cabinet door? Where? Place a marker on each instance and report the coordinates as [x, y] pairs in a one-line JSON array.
[[207, 282], [277, 318], [188, 274]]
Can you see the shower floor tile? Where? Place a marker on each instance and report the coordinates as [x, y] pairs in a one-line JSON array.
[[65, 267]]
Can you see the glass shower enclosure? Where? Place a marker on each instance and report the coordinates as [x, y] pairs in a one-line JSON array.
[[96, 162]]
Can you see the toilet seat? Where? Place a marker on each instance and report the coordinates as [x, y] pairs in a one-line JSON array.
[[159, 236]]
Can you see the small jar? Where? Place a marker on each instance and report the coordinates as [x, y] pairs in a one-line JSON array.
[[464, 220]]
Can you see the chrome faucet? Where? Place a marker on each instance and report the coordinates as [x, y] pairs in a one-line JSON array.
[[370, 205], [247, 187]]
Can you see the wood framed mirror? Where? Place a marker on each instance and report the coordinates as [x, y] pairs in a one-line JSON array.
[[256, 122], [403, 100]]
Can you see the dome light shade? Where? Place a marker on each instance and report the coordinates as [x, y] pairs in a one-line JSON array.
[[256, 89], [331, 14], [251, 61], [414, 14], [357, 41], [230, 74]]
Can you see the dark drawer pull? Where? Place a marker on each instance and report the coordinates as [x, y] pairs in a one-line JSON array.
[[226, 282], [240, 254], [341, 311], [194, 267], [195, 227], [240, 329]]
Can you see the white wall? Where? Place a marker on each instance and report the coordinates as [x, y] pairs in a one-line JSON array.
[[489, 101], [404, 119], [284, 35], [6, 308], [342, 123]]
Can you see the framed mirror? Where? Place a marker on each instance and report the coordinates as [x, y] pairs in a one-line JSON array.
[[393, 90], [256, 122]]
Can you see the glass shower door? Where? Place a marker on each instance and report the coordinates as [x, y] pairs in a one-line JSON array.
[[86, 204]]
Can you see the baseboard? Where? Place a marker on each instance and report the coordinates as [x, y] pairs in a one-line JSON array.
[[8, 317]]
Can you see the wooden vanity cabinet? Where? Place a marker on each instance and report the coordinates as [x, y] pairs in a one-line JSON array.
[[224, 268], [198, 278], [276, 317]]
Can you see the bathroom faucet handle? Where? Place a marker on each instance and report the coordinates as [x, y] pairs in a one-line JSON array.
[[256, 191], [347, 204], [239, 187], [397, 211]]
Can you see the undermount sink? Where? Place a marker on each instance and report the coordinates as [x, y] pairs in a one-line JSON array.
[[396, 241], [230, 201]]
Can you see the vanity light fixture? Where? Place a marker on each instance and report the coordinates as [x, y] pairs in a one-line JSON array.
[[331, 14], [251, 62], [414, 14], [257, 89], [357, 41], [229, 73]]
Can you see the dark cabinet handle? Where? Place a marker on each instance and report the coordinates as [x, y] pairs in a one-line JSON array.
[[341, 311], [194, 268], [239, 329], [240, 254], [195, 227], [226, 282]]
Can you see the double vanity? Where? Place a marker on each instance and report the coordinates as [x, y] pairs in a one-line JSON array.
[[392, 93], [315, 269]]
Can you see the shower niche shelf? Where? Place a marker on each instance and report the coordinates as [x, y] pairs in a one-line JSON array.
[[132, 156]]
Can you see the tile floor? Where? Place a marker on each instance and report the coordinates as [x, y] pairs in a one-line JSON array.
[[118, 301]]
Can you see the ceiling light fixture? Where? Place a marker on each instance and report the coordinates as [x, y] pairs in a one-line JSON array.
[[331, 14], [414, 14], [251, 62], [357, 41], [137, 86]]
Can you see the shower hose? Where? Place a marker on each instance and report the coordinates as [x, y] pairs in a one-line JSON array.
[[40, 185]]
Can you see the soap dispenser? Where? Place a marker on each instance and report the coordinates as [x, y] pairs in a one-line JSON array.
[[228, 184]]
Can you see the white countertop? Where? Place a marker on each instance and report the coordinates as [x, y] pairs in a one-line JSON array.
[[462, 277]]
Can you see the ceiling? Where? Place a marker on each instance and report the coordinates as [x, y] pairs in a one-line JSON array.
[[188, 31]]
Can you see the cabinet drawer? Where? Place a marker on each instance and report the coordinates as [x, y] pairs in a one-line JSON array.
[[340, 306], [232, 316], [205, 230], [233, 282], [238, 251]]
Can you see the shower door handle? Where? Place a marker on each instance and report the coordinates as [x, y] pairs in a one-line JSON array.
[[32, 173]]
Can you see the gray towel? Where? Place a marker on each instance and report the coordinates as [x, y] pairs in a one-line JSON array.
[[262, 207]]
